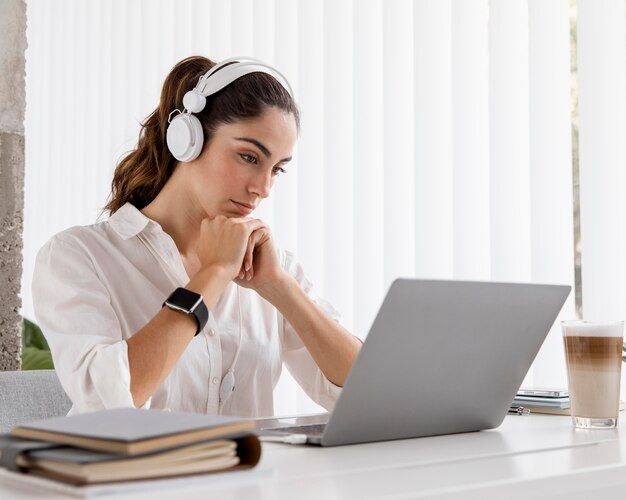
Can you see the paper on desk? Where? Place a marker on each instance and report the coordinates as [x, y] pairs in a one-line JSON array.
[[42, 484]]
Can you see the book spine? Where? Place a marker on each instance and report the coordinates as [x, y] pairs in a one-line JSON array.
[[11, 448]]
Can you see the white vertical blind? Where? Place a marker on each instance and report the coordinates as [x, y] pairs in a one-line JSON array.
[[311, 172], [508, 141], [550, 148], [338, 164], [433, 189], [398, 143], [370, 163], [470, 140], [435, 136], [602, 134]]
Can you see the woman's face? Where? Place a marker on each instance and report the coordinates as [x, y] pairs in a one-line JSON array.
[[240, 164]]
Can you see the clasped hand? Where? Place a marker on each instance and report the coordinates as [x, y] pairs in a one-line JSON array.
[[242, 247]]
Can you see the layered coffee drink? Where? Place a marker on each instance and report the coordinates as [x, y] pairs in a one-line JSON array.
[[594, 363]]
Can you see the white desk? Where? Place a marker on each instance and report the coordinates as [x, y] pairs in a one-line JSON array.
[[525, 458]]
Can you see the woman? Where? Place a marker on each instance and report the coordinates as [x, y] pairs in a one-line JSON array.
[[180, 299]]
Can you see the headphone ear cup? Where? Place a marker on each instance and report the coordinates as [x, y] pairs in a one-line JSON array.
[[185, 137]]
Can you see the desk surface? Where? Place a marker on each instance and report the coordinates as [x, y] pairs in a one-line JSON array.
[[527, 457]]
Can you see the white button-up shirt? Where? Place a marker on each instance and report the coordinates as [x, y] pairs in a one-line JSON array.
[[95, 286]]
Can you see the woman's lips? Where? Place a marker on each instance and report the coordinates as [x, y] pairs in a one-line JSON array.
[[244, 208]]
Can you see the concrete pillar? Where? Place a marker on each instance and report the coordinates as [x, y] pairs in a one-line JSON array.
[[12, 105]]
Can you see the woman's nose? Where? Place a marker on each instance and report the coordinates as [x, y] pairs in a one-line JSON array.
[[262, 184]]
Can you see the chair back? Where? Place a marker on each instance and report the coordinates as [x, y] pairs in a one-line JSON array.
[[30, 395]]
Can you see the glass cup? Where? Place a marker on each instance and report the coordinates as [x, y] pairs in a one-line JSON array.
[[593, 352]]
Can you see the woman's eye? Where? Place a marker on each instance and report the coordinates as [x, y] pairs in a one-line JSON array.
[[278, 170], [249, 158]]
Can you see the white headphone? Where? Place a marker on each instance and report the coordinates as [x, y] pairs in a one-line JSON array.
[[184, 133]]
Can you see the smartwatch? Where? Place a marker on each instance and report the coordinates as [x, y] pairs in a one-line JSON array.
[[189, 302]]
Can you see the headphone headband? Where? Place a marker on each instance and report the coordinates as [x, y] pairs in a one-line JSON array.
[[215, 81], [232, 65]]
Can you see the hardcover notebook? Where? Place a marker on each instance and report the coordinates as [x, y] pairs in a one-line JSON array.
[[129, 444], [131, 431]]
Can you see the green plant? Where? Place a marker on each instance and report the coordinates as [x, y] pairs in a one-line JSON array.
[[35, 351]]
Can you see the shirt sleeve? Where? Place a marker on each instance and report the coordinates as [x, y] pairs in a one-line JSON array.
[[73, 309], [296, 356]]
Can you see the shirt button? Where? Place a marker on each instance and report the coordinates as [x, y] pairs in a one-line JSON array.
[[211, 332], [216, 380]]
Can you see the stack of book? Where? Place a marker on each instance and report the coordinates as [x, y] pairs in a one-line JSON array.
[[129, 444], [551, 401]]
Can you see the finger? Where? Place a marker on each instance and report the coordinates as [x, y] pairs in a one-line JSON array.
[[256, 238], [247, 260], [253, 225]]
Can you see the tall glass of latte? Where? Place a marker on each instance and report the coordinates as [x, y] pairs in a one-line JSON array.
[[593, 351]]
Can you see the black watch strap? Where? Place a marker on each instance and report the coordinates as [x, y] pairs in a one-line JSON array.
[[189, 302]]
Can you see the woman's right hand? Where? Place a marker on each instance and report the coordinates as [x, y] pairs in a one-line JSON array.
[[223, 242]]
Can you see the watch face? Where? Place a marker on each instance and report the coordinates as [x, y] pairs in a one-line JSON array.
[[184, 299]]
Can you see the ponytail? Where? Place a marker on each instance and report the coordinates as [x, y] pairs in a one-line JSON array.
[[143, 172]]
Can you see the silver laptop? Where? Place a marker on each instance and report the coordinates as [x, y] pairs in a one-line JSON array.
[[441, 357]]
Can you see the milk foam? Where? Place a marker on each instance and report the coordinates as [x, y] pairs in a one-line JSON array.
[[593, 328]]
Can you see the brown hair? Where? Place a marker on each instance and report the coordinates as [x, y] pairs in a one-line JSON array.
[[143, 172]]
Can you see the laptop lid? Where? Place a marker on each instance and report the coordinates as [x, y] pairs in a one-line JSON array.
[[443, 357]]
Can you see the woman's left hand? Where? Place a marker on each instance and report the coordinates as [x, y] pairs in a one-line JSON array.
[[261, 266]]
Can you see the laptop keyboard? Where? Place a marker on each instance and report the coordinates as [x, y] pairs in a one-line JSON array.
[[313, 430]]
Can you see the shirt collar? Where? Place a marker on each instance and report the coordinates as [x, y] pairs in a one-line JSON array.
[[128, 221]]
